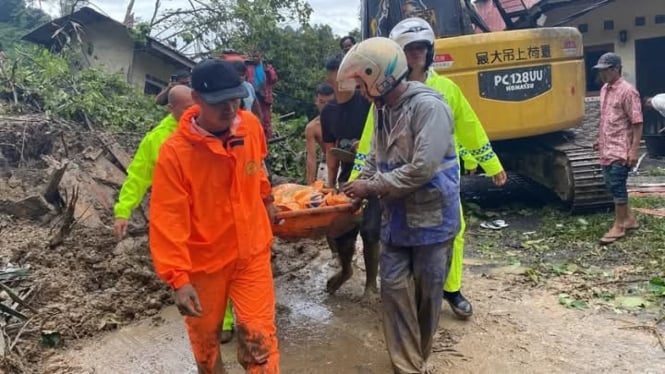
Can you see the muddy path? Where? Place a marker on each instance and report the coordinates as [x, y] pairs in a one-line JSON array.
[[516, 328]]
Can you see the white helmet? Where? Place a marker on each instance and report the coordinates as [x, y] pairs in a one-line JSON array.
[[411, 30], [378, 62]]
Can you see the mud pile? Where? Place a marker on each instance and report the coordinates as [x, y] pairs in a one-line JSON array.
[[63, 275], [69, 277]]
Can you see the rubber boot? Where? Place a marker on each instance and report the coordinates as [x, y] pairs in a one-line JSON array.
[[227, 326], [459, 304]]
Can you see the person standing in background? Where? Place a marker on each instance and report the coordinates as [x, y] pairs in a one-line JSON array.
[[656, 103], [250, 103], [619, 139], [314, 136], [181, 77], [263, 77], [346, 43]]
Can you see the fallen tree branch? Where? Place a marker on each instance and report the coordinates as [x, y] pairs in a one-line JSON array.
[[617, 281], [14, 313], [68, 219], [653, 329], [18, 335], [21, 159], [51, 193], [16, 298]]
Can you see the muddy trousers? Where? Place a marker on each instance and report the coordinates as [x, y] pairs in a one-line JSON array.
[[454, 281], [411, 281], [249, 284], [267, 118]]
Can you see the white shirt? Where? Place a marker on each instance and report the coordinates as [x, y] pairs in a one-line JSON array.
[[249, 100], [658, 103]]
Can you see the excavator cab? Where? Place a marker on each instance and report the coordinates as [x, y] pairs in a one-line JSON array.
[[526, 84]]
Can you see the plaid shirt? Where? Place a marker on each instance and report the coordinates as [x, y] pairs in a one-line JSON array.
[[620, 108]]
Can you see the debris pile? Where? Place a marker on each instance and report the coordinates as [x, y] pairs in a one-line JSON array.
[[62, 274]]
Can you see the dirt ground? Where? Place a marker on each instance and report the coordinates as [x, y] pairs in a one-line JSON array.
[[516, 328]]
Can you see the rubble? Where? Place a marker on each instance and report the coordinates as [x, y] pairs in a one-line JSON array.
[[63, 276]]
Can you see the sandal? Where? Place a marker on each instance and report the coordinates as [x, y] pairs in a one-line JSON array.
[[494, 225], [632, 227], [609, 239]]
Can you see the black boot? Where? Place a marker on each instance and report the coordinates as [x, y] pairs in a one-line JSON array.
[[459, 304]]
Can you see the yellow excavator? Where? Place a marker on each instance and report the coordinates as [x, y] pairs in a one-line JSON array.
[[527, 84]]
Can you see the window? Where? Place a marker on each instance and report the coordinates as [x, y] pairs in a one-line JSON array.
[[640, 21], [608, 25], [660, 18], [151, 89], [153, 85], [584, 28]]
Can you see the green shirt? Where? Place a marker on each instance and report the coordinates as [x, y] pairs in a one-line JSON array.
[[472, 143], [140, 171]]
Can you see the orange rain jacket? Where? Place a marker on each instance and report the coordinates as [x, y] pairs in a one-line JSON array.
[[207, 205]]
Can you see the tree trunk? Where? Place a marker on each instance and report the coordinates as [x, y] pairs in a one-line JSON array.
[[129, 18]]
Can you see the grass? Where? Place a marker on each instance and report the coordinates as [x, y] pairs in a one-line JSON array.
[[552, 236], [656, 172], [552, 244]]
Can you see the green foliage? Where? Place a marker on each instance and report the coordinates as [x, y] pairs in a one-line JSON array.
[[208, 25], [298, 56], [56, 85], [16, 19], [140, 33], [297, 53], [70, 6], [572, 303], [287, 158]]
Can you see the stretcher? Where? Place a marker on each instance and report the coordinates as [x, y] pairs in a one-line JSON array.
[[310, 211], [312, 222]]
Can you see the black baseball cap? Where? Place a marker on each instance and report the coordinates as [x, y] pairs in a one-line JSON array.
[[216, 81]]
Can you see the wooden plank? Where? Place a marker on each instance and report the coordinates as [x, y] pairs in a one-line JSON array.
[[119, 154]]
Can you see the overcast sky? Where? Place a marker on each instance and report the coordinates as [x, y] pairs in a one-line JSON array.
[[341, 15]]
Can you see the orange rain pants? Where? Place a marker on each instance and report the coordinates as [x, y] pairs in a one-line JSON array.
[[249, 283]]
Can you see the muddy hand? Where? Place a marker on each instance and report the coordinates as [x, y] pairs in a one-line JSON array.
[[187, 301], [272, 214], [120, 228], [356, 204], [500, 179], [356, 189]]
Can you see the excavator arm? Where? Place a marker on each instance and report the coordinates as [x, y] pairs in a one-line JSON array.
[[525, 14], [455, 17]]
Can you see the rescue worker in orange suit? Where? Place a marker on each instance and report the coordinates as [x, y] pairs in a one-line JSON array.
[[210, 222]]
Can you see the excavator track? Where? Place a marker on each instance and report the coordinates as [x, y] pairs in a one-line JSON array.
[[588, 186], [569, 169]]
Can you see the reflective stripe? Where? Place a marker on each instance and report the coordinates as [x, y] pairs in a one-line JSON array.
[[477, 152]]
